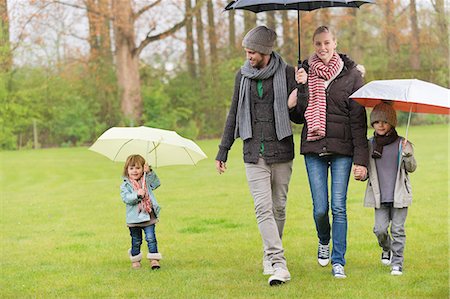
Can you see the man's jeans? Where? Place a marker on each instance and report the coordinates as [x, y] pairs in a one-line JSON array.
[[136, 239], [317, 168], [269, 186]]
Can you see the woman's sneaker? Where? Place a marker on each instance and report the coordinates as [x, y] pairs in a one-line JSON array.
[[386, 257], [338, 271], [267, 268], [323, 254], [279, 276], [396, 271]]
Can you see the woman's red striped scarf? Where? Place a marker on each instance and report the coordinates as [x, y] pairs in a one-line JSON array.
[[145, 204], [316, 112]]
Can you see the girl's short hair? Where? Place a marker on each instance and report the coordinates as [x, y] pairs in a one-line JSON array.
[[132, 161], [322, 29]]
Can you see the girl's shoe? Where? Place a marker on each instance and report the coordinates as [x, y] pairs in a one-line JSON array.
[[135, 265], [135, 260], [154, 260], [155, 264]]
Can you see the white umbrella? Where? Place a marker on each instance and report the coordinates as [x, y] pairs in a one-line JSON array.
[[410, 95], [158, 147]]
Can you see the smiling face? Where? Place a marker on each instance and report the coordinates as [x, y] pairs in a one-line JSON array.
[[381, 127], [324, 46], [256, 59], [135, 172]]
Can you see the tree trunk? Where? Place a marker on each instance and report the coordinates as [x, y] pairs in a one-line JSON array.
[[231, 32], [212, 34], [272, 23], [355, 36], [414, 58], [249, 21], [290, 46], [391, 45], [5, 47], [190, 59], [443, 31], [101, 67], [127, 62], [200, 42]]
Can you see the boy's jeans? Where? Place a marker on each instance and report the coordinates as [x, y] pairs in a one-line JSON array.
[[317, 168], [136, 239], [396, 217]]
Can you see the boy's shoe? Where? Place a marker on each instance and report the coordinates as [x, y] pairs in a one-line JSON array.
[[268, 268], [279, 276], [386, 257], [323, 254], [338, 271], [396, 271]]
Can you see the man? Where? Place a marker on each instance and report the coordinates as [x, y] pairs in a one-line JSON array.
[[259, 116]]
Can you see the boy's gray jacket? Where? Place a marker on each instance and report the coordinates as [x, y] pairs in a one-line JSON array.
[[130, 198], [402, 192]]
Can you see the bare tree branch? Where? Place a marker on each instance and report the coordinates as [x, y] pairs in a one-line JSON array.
[[168, 32], [145, 8]]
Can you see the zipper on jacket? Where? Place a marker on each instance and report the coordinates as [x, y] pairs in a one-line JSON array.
[[406, 186]]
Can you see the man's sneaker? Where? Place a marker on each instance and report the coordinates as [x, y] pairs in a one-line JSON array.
[[279, 276], [338, 271], [323, 254], [386, 257], [396, 270], [267, 268]]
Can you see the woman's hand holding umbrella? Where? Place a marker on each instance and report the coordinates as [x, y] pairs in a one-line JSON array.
[[301, 77]]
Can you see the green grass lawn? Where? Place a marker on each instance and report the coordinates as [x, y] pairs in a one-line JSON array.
[[63, 231]]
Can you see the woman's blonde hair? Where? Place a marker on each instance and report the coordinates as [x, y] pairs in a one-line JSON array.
[[132, 161], [322, 29]]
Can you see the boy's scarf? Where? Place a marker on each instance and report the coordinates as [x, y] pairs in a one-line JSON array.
[[316, 112], [145, 204], [277, 69], [382, 140]]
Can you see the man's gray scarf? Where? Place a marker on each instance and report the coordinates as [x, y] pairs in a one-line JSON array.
[[277, 69]]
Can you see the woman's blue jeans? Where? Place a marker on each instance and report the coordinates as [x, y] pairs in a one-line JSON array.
[[136, 239], [317, 168]]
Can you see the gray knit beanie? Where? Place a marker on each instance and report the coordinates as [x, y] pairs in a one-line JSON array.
[[383, 112], [260, 39]]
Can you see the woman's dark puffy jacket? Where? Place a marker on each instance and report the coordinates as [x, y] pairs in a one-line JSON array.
[[346, 130]]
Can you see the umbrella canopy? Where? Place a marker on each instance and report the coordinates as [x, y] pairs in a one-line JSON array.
[[305, 5], [158, 147], [410, 95]]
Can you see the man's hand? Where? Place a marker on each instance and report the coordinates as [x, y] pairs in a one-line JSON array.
[[221, 166]]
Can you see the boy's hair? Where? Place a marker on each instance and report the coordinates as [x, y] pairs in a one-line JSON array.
[[383, 112], [132, 161]]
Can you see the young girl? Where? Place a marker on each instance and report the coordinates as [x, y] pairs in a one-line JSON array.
[[389, 189], [142, 210]]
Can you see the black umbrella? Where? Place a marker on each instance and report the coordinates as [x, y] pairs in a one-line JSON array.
[[305, 5]]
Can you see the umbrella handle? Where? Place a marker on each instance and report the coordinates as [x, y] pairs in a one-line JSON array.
[[143, 181], [409, 120]]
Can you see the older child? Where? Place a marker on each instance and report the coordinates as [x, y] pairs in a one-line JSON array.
[[142, 210], [389, 189]]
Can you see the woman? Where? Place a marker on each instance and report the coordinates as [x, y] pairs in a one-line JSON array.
[[333, 137]]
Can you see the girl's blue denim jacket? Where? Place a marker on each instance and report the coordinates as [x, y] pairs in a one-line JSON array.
[[130, 198]]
